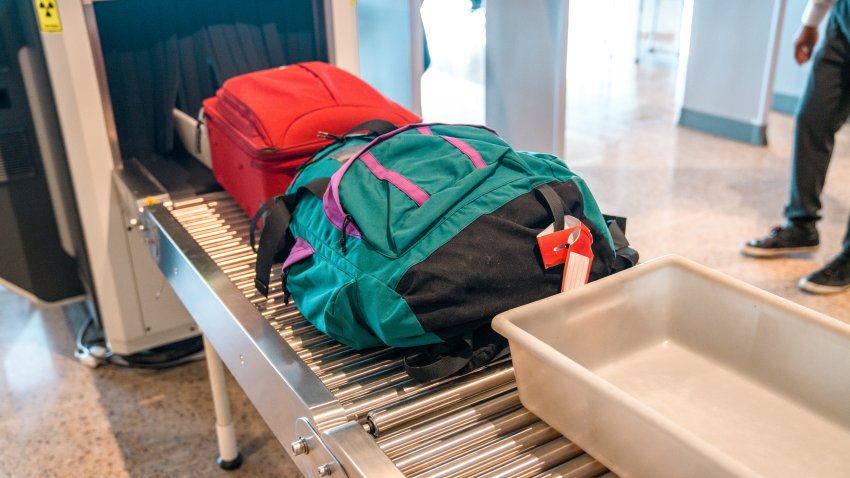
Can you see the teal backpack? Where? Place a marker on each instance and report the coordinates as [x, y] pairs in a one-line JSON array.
[[419, 236]]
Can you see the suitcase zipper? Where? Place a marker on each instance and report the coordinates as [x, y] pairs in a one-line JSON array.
[[198, 125]]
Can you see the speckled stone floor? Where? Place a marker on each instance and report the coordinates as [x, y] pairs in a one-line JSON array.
[[684, 192], [696, 195], [59, 418]]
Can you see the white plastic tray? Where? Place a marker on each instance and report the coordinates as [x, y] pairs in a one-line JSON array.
[[671, 369]]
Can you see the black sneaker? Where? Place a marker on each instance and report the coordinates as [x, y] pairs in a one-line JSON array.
[[834, 277], [787, 239]]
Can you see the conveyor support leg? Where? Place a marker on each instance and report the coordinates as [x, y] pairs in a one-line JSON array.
[[229, 457]]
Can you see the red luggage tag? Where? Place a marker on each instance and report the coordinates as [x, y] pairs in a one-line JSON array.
[[570, 246]]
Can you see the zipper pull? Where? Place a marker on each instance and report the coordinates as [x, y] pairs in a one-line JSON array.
[[198, 125], [326, 135], [342, 241]]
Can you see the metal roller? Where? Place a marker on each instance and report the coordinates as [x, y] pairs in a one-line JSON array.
[[192, 210], [242, 278], [330, 363], [196, 224], [284, 323], [463, 441], [215, 224], [539, 459], [208, 201], [492, 454], [287, 321], [322, 351], [245, 279], [248, 284], [463, 415], [237, 264], [272, 296], [488, 377], [230, 252], [284, 315], [357, 389], [183, 203], [246, 258], [210, 206], [281, 326], [360, 407], [398, 413], [224, 245], [278, 305], [358, 371], [238, 268], [208, 237], [207, 223], [230, 208], [235, 249], [248, 287], [227, 256], [213, 238], [582, 466], [296, 329], [212, 231], [279, 309], [218, 242], [201, 220], [315, 339], [239, 279]]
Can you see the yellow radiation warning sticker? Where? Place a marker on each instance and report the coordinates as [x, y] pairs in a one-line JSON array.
[[48, 16]]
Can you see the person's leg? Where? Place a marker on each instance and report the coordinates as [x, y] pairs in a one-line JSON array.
[[818, 121], [846, 242], [824, 108]]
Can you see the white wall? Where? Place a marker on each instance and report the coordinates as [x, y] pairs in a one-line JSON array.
[[730, 57], [389, 34], [526, 72]]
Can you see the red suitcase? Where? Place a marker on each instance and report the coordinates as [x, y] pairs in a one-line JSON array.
[[263, 125]]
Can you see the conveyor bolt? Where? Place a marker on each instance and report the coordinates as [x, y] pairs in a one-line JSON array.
[[325, 470], [299, 447]]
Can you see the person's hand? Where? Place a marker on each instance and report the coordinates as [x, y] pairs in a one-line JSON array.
[[805, 44]]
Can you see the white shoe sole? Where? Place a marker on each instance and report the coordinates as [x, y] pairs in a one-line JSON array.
[[813, 288], [761, 252]]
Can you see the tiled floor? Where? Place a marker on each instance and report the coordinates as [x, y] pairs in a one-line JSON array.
[[684, 192]]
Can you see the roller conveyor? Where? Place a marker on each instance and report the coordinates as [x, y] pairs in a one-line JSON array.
[[344, 412]]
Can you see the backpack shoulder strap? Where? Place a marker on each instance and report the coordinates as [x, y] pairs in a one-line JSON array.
[[275, 239], [463, 354], [376, 127], [554, 203], [626, 256]]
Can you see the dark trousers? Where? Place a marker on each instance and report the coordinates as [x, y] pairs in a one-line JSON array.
[[824, 108]]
